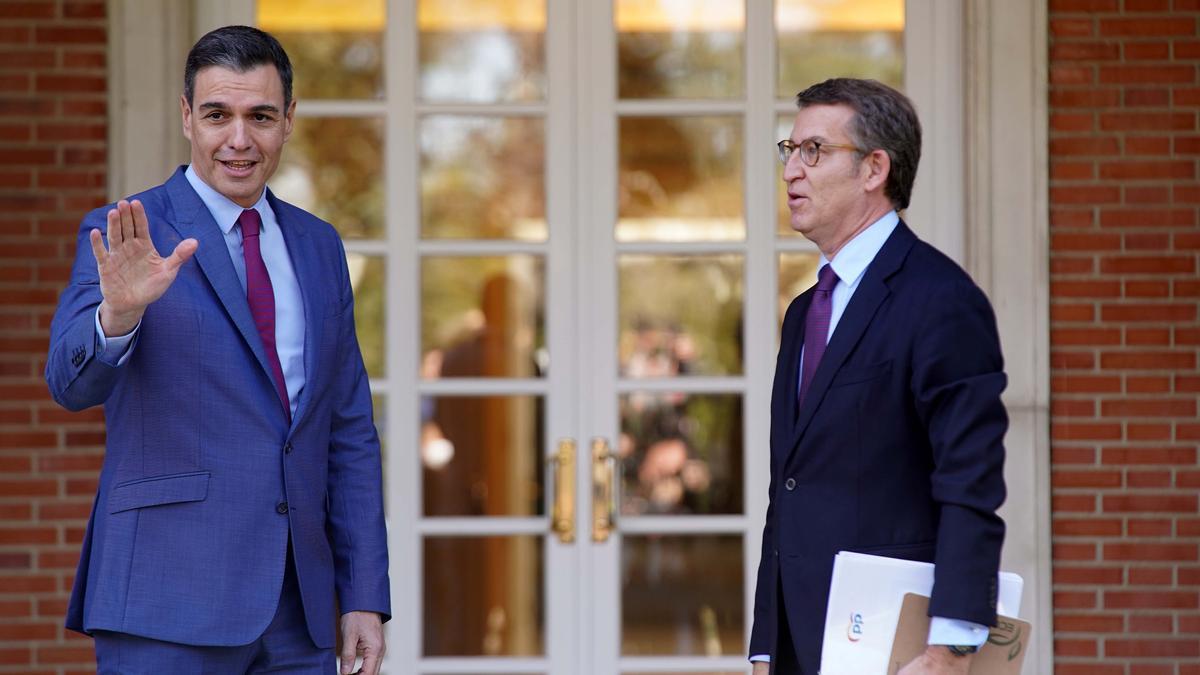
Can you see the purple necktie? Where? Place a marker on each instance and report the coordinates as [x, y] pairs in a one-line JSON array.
[[816, 327], [261, 296]]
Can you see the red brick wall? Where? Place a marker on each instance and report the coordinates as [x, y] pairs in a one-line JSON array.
[[53, 154], [1124, 144]]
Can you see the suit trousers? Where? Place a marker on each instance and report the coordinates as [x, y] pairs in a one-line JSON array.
[[284, 647]]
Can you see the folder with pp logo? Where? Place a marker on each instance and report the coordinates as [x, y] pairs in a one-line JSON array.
[[865, 597]]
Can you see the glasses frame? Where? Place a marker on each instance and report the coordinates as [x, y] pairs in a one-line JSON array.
[[787, 148]]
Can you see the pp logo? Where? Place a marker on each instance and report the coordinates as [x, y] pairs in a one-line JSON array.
[[854, 630]]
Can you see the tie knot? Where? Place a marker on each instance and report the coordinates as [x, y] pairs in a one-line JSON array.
[[826, 279], [250, 222]]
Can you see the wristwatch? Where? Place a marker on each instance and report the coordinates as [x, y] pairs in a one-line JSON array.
[[962, 650]]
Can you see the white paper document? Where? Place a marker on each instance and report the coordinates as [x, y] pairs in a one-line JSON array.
[[864, 605]]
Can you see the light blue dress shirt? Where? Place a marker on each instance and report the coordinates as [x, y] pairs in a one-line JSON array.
[[289, 305], [850, 265]]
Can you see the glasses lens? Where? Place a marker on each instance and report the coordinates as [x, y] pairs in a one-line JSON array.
[[810, 152], [785, 151]]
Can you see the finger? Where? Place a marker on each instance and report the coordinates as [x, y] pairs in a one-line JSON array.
[[141, 224], [182, 253], [371, 663], [126, 220], [114, 228], [98, 247], [349, 649]]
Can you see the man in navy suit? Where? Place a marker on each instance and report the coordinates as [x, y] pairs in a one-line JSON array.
[[240, 503], [887, 426]]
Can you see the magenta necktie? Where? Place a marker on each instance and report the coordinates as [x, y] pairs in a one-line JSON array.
[[816, 327], [261, 295]]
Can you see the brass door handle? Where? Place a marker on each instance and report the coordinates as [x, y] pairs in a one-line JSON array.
[[604, 493], [562, 516]]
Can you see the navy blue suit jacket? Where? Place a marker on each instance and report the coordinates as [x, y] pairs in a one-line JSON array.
[[203, 478], [897, 450]]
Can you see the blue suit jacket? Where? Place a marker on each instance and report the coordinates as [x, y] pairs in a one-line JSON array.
[[897, 450], [188, 534]]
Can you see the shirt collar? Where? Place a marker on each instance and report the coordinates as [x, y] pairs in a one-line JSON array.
[[222, 208], [858, 253]]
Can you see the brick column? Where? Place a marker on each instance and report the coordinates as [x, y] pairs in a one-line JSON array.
[[1124, 336], [53, 154]]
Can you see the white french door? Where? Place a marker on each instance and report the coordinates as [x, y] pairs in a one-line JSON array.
[[570, 259]]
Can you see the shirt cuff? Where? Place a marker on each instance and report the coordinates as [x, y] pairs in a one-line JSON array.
[[943, 631], [114, 351], [765, 658]]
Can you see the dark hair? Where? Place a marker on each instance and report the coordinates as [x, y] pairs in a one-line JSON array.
[[239, 48], [884, 119]]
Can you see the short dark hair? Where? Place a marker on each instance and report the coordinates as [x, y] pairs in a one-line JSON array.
[[238, 48], [884, 119]]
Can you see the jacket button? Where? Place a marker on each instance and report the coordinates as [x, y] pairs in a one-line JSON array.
[[790, 484], [281, 508], [287, 449]]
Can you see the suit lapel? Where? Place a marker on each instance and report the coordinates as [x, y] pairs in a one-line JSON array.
[[192, 219], [871, 292], [304, 263]]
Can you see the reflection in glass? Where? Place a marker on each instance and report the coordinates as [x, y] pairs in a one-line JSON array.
[[819, 39], [671, 49], [367, 280], [483, 51], [483, 316], [797, 273], [482, 455], [681, 453], [333, 167], [336, 47], [680, 315], [483, 596], [482, 178], [681, 595], [680, 179]]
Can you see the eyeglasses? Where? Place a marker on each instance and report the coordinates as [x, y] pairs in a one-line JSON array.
[[810, 150]]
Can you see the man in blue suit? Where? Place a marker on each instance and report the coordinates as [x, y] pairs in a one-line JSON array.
[[240, 503], [887, 426]]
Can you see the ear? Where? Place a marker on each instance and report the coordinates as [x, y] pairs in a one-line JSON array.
[[185, 111], [878, 167], [289, 117]]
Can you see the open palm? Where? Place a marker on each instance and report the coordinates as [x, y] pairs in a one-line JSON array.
[[132, 273]]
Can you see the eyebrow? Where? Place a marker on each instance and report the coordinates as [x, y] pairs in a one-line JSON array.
[[218, 105]]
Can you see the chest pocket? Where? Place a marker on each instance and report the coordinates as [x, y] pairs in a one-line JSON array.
[[857, 375]]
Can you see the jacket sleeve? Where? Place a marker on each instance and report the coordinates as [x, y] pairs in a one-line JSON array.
[[77, 378], [356, 521], [958, 377]]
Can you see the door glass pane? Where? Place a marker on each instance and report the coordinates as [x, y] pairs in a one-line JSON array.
[[333, 168], [483, 316], [335, 46], [680, 179], [482, 178], [483, 51], [483, 596], [367, 280], [819, 39], [797, 273], [482, 455], [783, 129], [672, 49], [681, 453], [682, 595], [680, 315]]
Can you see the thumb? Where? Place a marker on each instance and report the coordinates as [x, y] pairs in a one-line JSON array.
[[349, 652], [182, 253]]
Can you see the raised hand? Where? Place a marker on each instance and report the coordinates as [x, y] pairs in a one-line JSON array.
[[132, 273]]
